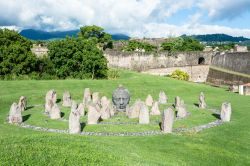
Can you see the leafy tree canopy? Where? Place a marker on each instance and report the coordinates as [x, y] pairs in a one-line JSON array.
[[133, 45]]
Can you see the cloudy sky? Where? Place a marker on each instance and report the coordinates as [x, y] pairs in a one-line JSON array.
[[137, 18]]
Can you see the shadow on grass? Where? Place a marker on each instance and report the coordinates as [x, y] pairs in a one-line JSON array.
[[29, 107], [58, 100], [160, 125], [62, 114], [83, 125], [216, 115], [26, 117], [196, 104]]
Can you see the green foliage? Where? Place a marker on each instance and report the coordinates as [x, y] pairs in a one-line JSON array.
[[134, 45], [97, 35], [224, 47], [180, 75], [16, 57], [113, 73], [77, 58], [182, 44]]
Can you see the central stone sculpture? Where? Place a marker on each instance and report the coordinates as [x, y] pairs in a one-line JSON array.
[[120, 98]]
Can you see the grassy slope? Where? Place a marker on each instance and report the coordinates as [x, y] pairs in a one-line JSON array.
[[228, 144]]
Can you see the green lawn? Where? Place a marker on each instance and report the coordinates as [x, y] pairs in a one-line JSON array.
[[228, 144]]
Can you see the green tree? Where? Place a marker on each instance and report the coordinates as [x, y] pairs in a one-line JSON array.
[[97, 34], [133, 45]]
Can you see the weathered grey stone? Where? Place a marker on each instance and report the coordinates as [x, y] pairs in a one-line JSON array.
[[74, 119], [149, 100], [87, 96], [104, 101], [55, 112], [155, 109], [67, 99], [182, 110], [144, 114], [163, 99], [48, 106], [80, 109], [95, 98], [105, 112], [134, 111], [51, 95], [93, 114], [121, 98], [167, 121], [22, 103], [226, 112], [15, 115], [177, 102], [202, 103]]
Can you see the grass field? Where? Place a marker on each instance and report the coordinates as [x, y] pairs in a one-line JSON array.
[[228, 144]]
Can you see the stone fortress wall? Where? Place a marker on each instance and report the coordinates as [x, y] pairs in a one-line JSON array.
[[201, 66]]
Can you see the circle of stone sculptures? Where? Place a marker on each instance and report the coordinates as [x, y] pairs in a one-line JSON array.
[[194, 129]]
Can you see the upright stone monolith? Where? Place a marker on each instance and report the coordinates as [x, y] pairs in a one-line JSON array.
[[167, 121], [226, 112], [74, 119], [202, 103], [93, 114], [155, 109], [55, 112], [163, 99], [95, 98], [48, 106], [22, 103], [182, 110], [67, 99], [51, 95], [134, 111], [80, 109], [87, 97], [15, 115], [177, 102], [149, 101], [144, 114]]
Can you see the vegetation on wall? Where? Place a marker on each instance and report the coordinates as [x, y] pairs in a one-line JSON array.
[[182, 44], [134, 45], [180, 75]]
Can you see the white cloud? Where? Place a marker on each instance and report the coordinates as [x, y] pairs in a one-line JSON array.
[[134, 17]]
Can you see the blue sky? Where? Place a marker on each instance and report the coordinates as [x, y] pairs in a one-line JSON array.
[[137, 18]]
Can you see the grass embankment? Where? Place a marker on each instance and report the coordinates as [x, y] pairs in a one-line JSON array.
[[228, 144]]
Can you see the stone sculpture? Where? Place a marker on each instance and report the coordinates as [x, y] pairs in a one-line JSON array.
[[144, 114], [226, 112], [87, 96], [67, 99], [80, 109], [51, 95], [163, 99], [48, 106], [149, 100], [93, 114], [134, 111], [167, 121], [15, 116], [155, 109], [202, 103], [120, 98], [177, 102], [74, 119], [55, 112], [22, 103], [182, 110], [95, 98]]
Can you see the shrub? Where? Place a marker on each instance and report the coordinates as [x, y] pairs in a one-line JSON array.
[[180, 75], [113, 74]]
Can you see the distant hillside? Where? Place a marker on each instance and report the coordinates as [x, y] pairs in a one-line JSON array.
[[43, 35], [219, 38]]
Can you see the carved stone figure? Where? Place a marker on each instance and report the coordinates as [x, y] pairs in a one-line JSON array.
[[155, 109], [15, 116], [22, 103], [74, 119], [226, 112], [87, 96], [80, 109], [177, 102], [163, 99], [93, 114], [95, 98], [67, 99], [134, 111], [51, 95], [149, 100], [182, 110], [202, 103], [144, 114], [55, 112], [167, 121], [120, 98], [48, 106]]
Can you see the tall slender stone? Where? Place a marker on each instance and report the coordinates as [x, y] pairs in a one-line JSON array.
[[149, 100], [155, 109], [67, 99], [81, 109], [167, 121], [96, 98], [182, 110], [226, 112], [22, 103], [48, 106], [177, 102], [15, 115], [144, 114], [55, 112], [163, 99], [51, 95], [202, 103], [93, 114], [74, 119], [87, 96]]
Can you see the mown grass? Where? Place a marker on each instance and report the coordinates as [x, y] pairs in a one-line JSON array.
[[228, 144]]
